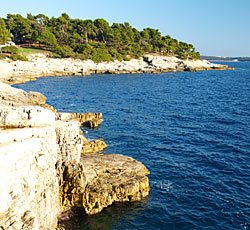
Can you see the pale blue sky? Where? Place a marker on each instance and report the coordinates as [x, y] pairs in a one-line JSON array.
[[215, 27]]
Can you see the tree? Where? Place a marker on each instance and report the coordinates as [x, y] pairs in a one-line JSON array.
[[42, 19], [19, 27], [36, 28], [63, 23], [88, 28], [47, 38], [103, 29], [136, 35], [4, 33]]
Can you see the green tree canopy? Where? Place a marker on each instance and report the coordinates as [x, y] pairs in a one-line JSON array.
[[4, 33], [47, 38], [87, 38]]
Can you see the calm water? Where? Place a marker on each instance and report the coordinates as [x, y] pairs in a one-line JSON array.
[[191, 130]]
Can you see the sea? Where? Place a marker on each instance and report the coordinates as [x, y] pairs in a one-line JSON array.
[[190, 129]]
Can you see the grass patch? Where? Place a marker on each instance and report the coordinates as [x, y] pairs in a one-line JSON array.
[[27, 51]]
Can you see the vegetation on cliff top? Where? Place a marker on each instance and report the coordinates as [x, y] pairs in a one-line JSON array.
[[92, 39]]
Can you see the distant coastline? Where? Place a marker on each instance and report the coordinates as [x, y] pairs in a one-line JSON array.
[[229, 59]]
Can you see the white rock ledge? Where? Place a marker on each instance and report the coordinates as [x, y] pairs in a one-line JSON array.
[[26, 116], [39, 65]]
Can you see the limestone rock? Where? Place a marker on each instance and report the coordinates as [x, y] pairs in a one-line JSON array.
[[14, 97], [69, 141], [72, 186], [42, 170], [28, 183], [40, 65], [112, 178], [93, 146], [92, 120], [26, 116], [29, 188], [92, 123], [100, 180]]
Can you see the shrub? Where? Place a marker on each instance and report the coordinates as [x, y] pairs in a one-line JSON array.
[[181, 55], [54, 55], [10, 49], [64, 51], [16, 57], [115, 55], [99, 55]]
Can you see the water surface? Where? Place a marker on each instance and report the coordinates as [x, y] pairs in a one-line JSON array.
[[191, 130]]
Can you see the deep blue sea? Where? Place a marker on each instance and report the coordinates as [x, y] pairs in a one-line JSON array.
[[191, 130]]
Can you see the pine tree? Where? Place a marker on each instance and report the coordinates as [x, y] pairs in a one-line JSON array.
[[4, 33]]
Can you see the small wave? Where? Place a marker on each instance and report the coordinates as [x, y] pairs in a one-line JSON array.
[[162, 185], [245, 226]]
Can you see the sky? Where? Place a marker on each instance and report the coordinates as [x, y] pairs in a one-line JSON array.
[[214, 27]]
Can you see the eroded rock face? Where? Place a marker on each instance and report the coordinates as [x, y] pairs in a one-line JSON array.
[[69, 141], [99, 180], [72, 186], [43, 171], [28, 182]]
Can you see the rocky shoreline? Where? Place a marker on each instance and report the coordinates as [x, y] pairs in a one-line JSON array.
[[14, 72], [48, 168]]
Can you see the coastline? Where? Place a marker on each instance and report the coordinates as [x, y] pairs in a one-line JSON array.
[[15, 72], [55, 166]]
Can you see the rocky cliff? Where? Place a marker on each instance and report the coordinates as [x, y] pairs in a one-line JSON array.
[[47, 167], [39, 65], [28, 185]]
